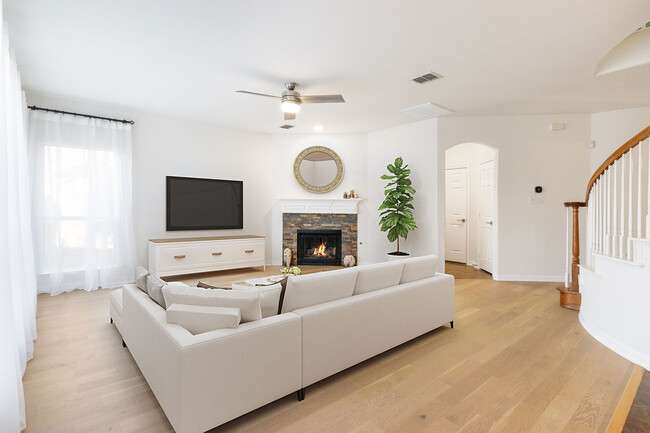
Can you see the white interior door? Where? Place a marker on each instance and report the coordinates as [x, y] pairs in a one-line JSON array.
[[485, 214], [456, 215]]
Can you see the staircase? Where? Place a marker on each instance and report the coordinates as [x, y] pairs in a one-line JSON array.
[[614, 281]]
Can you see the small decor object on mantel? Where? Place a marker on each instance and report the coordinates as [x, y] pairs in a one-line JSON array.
[[286, 257], [352, 194], [349, 261], [397, 216], [345, 194]]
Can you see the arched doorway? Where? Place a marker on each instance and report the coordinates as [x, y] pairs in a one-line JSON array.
[[471, 209]]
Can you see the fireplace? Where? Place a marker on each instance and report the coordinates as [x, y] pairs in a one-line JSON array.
[[319, 247]]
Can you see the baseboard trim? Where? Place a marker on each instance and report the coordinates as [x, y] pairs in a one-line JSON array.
[[622, 349], [529, 278]]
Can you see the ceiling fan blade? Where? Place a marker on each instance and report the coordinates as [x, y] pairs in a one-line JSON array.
[[289, 116], [317, 99], [258, 94]]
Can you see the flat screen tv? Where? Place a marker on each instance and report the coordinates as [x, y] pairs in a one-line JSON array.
[[204, 204]]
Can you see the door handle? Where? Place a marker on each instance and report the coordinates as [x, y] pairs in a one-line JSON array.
[[490, 222], [180, 257], [250, 251], [461, 220], [217, 254]]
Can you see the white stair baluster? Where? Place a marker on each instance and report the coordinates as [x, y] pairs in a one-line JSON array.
[[592, 225], [646, 143], [630, 204], [589, 233], [608, 219], [616, 198], [601, 215], [622, 231], [639, 189], [598, 214]]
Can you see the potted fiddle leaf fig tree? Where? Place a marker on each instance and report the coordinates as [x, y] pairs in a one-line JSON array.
[[397, 208]]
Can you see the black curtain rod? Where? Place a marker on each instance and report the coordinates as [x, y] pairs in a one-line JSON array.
[[34, 107]]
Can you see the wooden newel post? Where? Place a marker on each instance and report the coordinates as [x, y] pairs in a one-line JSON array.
[[570, 296]]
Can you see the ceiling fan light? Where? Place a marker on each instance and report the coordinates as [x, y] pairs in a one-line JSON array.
[[290, 106]]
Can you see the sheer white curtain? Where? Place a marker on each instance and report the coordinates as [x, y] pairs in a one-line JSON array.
[[81, 181], [17, 282]]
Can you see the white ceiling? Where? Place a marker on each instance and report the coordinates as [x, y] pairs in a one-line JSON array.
[[186, 59]]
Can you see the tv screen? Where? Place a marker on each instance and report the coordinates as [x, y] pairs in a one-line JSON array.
[[204, 204]]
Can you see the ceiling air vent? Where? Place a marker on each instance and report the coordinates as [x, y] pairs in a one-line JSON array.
[[426, 111], [287, 126], [430, 76]]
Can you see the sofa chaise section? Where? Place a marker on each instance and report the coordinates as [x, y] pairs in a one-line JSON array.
[[202, 381]]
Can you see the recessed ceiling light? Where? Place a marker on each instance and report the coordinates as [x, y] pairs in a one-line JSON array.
[[318, 128]]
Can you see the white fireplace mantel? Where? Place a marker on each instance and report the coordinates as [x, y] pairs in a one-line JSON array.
[[333, 206]]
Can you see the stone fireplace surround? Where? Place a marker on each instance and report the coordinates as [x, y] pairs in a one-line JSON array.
[[318, 214], [347, 223]]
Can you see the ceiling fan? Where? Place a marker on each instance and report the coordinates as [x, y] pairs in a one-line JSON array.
[[291, 99]]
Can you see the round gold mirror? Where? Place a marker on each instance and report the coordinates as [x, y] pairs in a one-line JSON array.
[[318, 169]]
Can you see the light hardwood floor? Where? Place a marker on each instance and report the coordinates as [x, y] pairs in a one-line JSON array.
[[515, 362]]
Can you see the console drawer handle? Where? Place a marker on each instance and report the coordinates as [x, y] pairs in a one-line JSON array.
[[180, 257], [217, 254], [250, 251]]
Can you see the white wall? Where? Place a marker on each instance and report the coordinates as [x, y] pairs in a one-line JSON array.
[[351, 148], [416, 144], [164, 146], [470, 155], [531, 237], [611, 129]]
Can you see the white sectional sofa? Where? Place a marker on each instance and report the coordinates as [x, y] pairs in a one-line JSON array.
[[329, 322]]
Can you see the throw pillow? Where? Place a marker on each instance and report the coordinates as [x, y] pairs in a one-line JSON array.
[[307, 290], [248, 301], [378, 276], [198, 319], [141, 275], [208, 286], [154, 289], [270, 296]]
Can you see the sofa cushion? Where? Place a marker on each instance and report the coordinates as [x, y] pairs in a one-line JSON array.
[[248, 301], [269, 297], [141, 275], [198, 319], [378, 276], [418, 268], [154, 289], [307, 290]]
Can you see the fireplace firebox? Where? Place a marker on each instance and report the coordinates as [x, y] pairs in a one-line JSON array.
[[319, 247]]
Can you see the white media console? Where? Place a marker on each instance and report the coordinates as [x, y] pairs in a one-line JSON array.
[[192, 255]]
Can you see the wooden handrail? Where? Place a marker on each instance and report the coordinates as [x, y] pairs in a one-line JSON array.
[[615, 156]]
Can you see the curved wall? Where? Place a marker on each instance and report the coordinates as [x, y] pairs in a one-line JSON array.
[[616, 307]]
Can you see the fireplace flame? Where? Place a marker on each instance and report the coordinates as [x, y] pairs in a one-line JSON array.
[[321, 251]]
